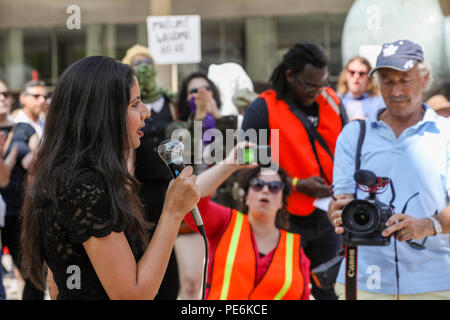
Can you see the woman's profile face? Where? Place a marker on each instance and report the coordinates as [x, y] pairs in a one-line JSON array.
[[136, 115]]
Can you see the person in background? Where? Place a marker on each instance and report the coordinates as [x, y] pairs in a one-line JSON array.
[[148, 167], [308, 117], [359, 93], [83, 219], [267, 263], [6, 164], [440, 104], [21, 142], [34, 101]]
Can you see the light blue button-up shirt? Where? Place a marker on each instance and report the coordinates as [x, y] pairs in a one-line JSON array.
[[369, 104], [417, 161]]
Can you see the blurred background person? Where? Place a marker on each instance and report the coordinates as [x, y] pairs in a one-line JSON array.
[[265, 255], [34, 101], [6, 165], [21, 141], [440, 104], [149, 169], [359, 93]]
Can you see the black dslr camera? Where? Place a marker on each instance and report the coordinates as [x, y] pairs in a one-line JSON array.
[[364, 220]]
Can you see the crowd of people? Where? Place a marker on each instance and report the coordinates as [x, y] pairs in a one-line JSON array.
[[89, 210]]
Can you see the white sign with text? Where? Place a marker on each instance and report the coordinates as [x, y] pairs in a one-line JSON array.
[[174, 39]]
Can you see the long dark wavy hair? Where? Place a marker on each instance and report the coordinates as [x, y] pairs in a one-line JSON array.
[[182, 103], [86, 127], [244, 178]]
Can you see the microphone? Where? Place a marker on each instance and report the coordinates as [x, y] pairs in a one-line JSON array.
[[365, 178], [171, 152]]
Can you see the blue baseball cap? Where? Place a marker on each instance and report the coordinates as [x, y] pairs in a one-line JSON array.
[[400, 55]]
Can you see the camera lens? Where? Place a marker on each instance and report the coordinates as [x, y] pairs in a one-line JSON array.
[[361, 217]]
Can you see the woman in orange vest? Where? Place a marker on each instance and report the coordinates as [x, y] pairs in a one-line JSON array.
[[250, 258]]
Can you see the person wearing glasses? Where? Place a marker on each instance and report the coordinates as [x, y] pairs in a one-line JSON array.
[[20, 142], [308, 117], [359, 93], [199, 100], [33, 100], [249, 256], [410, 144], [6, 164]]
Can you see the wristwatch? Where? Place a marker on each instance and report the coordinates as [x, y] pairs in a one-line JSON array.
[[436, 225]]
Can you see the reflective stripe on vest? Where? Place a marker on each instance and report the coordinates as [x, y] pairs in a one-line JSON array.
[[231, 255], [289, 261]]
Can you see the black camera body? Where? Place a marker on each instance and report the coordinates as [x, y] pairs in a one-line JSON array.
[[364, 220]]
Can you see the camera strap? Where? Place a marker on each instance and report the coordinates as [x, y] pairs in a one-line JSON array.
[[351, 252], [313, 136], [351, 266]]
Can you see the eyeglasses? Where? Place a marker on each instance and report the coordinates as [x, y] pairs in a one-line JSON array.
[[195, 90], [361, 73], [37, 96], [311, 87], [274, 186], [137, 62], [6, 94]]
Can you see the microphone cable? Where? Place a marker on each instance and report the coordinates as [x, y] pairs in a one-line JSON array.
[[202, 231]]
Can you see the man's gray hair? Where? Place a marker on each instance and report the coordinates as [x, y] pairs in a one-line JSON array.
[[424, 69], [34, 83]]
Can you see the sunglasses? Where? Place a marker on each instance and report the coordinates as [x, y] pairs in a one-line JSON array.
[[37, 96], [6, 94], [361, 73], [195, 90], [137, 62], [274, 186]]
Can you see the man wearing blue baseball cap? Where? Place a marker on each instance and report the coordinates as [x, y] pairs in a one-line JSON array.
[[409, 144]]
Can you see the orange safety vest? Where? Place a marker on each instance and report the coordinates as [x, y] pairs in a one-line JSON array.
[[234, 266], [296, 155]]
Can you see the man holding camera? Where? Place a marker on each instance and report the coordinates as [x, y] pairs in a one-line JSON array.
[[410, 145]]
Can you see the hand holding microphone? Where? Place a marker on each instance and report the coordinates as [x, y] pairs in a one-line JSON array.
[[171, 152], [182, 194]]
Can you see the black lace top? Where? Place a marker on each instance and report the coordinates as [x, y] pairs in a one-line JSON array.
[[84, 211]]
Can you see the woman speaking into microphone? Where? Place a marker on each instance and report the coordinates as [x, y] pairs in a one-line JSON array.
[[82, 216]]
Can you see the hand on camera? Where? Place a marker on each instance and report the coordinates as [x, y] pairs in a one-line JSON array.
[[404, 227], [182, 194], [314, 187], [335, 211]]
